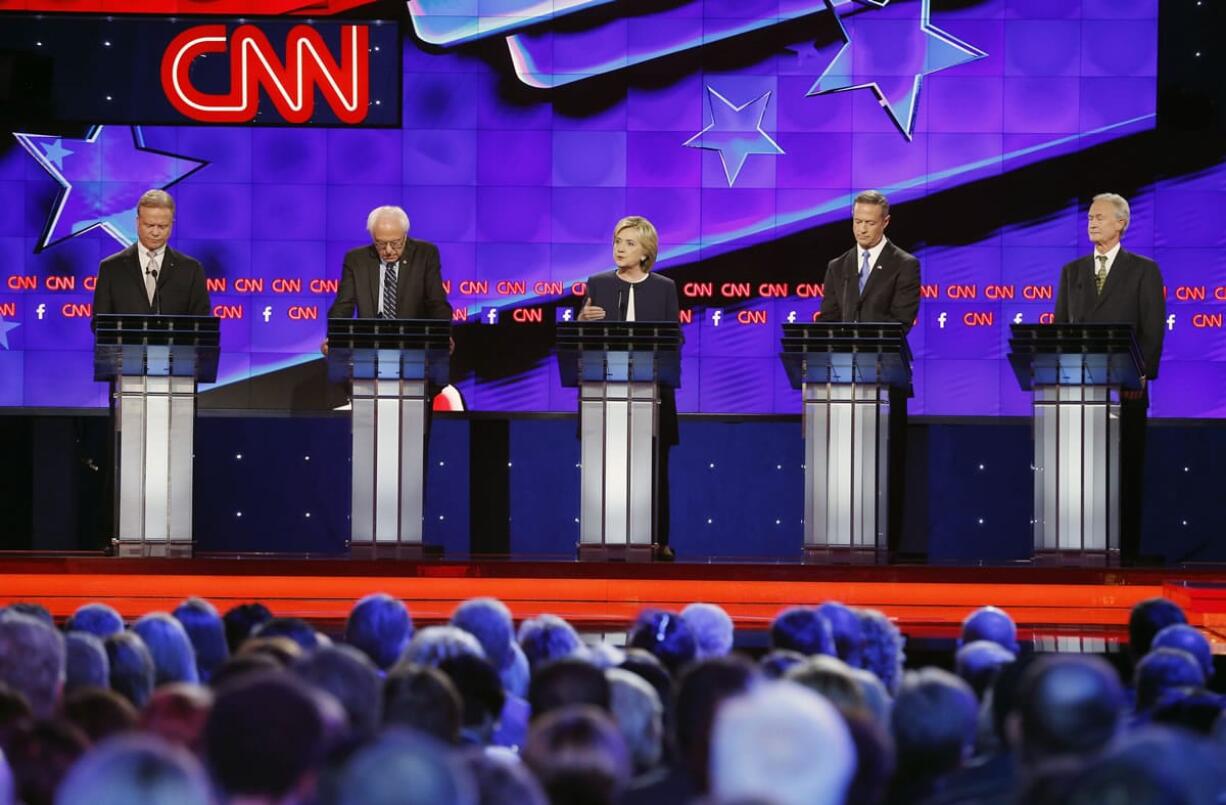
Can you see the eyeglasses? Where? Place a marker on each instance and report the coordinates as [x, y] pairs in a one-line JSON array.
[[393, 245]]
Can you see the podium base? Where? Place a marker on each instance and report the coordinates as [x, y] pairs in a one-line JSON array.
[[412, 553], [830, 555], [127, 549], [615, 553]]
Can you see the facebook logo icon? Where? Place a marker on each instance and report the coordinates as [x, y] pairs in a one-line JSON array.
[[489, 315], [563, 315]]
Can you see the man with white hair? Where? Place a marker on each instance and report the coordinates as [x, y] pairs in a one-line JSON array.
[[393, 277], [1116, 286], [783, 744]]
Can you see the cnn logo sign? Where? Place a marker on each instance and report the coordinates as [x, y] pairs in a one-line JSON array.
[[254, 65]]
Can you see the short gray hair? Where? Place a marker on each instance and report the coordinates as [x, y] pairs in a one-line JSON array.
[[387, 211], [135, 768], [762, 745], [639, 715], [157, 198], [434, 644], [1122, 211], [875, 197], [712, 628], [32, 661]]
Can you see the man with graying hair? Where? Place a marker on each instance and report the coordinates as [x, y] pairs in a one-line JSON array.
[[1113, 285], [32, 661]]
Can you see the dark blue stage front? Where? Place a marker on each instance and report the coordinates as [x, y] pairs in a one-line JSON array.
[[510, 486]]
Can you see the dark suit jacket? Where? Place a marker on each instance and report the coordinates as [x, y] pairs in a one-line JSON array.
[[892, 292], [181, 288], [655, 299], [419, 284], [1132, 295]]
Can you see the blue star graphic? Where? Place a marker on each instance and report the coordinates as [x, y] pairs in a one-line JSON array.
[[890, 51], [5, 326], [101, 179], [735, 132]]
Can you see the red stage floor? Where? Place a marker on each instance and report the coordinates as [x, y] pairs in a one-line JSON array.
[[928, 601]]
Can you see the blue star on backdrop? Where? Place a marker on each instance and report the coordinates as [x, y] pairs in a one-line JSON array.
[[5, 327], [101, 178], [735, 132], [890, 49]]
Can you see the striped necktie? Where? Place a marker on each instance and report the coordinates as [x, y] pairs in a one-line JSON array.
[[1100, 276], [865, 268], [389, 292]]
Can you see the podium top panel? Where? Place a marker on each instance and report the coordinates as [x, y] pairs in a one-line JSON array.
[[852, 337], [358, 334], [1092, 354], [619, 336], [129, 329]]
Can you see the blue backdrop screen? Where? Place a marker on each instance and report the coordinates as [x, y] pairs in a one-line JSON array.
[[741, 129]]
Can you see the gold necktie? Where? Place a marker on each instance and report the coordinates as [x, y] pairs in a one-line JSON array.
[[1100, 276]]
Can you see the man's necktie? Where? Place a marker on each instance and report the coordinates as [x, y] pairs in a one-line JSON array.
[[151, 278], [389, 292], [1100, 276], [865, 268]]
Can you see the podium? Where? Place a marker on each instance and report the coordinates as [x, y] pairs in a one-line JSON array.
[[153, 364], [391, 363], [618, 368], [1076, 372], [845, 372]]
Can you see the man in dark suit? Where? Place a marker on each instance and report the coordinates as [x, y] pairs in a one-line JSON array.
[[394, 277], [876, 281], [149, 276], [1113, 285]]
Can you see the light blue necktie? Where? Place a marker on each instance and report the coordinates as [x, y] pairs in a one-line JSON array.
[[864, 269]]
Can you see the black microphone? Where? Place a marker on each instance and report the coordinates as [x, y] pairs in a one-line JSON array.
[[156, 302], [621, 311]]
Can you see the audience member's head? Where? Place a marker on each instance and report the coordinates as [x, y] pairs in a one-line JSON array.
[[241, 665], [177, 713], [488, 620], [782, 744], [578, 755], [567, 682], [711, 627], [847, 632], [876, 698], [481, 696], [174, 660], [775, 664], [425, 699], [515, 675], [1147, 618], [991, 624], [605, 655], [1193, 710], [264, 736], [666, 635], [351, 677], [802, 629], [979, 662], [502, 778], [1068, 706], [639, 715], [546, 638], [295, 629], [208, 635], [933, 723], [136, 770], [1189, 639], [875, 758], [241, 620], [1162, 670], [380, 627], [1151, 766], [401, 767], [701, 690], [883, 648], [34, 610], [648, 666], [99, 713], [40, 754], [100, 620], [132, 670], [432, 645], [830, 677], [279, 648], [85, 662], [32, 661]]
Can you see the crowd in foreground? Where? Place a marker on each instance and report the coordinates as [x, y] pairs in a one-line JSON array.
[[192, 707]]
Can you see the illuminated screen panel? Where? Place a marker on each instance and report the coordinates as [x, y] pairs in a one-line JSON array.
[[742, 130]]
